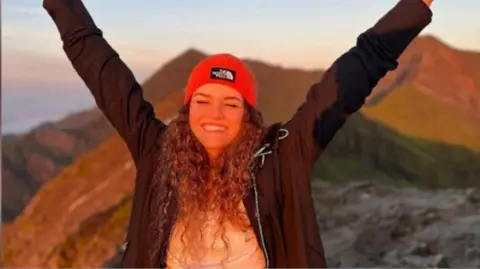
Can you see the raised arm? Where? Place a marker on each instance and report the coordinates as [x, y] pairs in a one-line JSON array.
[[112, 84], [348, 82]]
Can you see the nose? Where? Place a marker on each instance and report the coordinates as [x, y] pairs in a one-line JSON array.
[[216, 111]]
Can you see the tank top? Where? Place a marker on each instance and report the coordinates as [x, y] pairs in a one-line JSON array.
[[243, 249]]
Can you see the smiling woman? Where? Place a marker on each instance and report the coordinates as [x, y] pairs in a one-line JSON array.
[[206, 193], [210, 144]]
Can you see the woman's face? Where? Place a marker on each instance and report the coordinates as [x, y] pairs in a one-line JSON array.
[[216, 116]]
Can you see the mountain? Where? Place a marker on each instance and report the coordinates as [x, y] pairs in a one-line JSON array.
[[80, 215], [30, 160], [449, 74], [411, 111], [439, 97]]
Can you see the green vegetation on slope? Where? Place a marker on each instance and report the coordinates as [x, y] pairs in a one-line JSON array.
[[410, 111], [365, 149]]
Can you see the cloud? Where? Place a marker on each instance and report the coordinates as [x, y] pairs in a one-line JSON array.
[[27, 66], [31, 39], [23, 44], [32, 67]]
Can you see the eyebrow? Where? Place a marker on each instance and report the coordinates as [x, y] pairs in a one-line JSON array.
[[201, 94], [209, 96], [232, 98]]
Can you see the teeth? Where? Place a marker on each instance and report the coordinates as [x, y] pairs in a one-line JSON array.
[[209, 127]]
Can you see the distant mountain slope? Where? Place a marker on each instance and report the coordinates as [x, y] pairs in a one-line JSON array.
[[440, 97], [449, 74], [413, 112], [30, 160], [441, 71]]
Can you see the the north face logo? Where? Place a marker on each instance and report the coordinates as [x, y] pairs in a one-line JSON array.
[[223, 74]]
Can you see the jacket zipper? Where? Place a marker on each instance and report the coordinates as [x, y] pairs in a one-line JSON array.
[[259, 221]]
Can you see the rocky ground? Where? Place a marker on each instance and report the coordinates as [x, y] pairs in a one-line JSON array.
[[365, 224], [371, 225]]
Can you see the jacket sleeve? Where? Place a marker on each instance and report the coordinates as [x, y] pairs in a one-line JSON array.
[[115, 90], [351, 78]]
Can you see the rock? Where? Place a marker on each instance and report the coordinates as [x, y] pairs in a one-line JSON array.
[[421, 249], [472, 253], [329, 224], [333, 263], [353, 260], [367, 224], [440, 261], [473, 195], [365, 195], [372, 242], [434, 261]]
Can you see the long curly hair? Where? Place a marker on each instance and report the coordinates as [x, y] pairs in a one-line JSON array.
[[185, 175]]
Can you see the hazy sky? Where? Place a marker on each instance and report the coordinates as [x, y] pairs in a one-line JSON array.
[[146, 33]]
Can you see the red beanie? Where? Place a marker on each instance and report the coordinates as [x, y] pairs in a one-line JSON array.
[[223, 69]]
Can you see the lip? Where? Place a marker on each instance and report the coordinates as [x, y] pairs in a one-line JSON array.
[[222, 128]]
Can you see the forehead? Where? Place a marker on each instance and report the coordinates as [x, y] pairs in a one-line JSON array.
[[217, 91]]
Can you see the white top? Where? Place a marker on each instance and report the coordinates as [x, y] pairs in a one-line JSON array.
[[243, 245]]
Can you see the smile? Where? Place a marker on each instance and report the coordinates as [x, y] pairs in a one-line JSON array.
[[213, 128]]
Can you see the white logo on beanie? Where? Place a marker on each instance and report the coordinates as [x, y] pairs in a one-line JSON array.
[[223, 74]]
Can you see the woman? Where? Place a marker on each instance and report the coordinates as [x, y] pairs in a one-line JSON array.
[[215, 188]]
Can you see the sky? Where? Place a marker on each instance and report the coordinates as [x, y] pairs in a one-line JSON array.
[[39, 84]]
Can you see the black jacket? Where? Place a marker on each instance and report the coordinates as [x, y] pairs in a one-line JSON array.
[[279, 204]]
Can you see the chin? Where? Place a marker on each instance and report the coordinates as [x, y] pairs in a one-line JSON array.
[[214, 146], [214, 143]]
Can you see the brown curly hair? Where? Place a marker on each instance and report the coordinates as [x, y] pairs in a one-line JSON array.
[[185, 175]]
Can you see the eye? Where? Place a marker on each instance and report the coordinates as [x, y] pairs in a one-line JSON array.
[[201, 102], [232, 105]]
